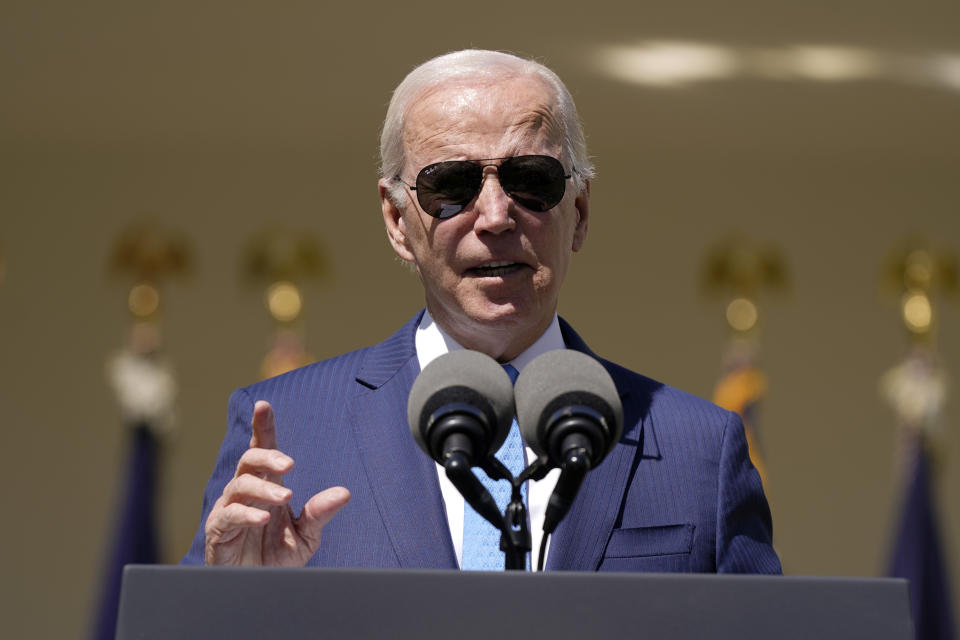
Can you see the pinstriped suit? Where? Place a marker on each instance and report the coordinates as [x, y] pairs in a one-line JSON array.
[[677, 493]]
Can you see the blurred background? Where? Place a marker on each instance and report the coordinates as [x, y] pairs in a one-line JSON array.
[[826, 133]]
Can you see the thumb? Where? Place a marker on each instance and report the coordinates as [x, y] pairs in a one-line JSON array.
[[318, 511]]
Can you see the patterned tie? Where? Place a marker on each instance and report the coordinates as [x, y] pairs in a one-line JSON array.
[[481, 540]]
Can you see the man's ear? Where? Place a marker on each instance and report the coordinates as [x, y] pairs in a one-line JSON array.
[[394, 222], [582, 206]]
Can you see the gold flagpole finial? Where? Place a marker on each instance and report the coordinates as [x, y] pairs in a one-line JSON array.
[[151, 253], [916, 273], [281, 260], [739, 269]]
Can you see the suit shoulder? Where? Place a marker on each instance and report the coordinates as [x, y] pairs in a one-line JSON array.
[[666, 400]]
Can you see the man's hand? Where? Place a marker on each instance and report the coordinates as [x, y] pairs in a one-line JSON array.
[[252, 523]]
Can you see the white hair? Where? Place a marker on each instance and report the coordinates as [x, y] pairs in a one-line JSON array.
[[480, 64]]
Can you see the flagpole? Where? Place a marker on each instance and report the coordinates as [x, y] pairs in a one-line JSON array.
[[916, 390], [739, 271], [145, 388]]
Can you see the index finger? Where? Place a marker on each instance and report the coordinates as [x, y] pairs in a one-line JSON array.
[[264, 428]]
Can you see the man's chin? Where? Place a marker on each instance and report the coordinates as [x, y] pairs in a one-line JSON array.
[[486, 316], [510, 319], [500, 314]]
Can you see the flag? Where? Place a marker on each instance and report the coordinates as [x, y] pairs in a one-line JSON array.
[[918, 556], [134, 538]]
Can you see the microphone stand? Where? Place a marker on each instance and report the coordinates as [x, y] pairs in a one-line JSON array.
[[515, 539]]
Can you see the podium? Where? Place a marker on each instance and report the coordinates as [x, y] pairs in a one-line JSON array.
[[246, 603]]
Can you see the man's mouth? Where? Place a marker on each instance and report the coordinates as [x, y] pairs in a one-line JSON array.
[[495, 269]]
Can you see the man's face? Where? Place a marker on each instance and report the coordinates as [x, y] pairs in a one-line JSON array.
[[491, 273]]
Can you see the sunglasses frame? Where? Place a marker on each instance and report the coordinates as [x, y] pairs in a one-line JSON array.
[[490, 162]]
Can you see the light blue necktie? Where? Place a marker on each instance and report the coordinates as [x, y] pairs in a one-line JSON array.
[[481, 540]]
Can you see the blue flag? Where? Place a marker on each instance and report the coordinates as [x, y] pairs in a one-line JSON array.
[[134, 538], [918, 557]]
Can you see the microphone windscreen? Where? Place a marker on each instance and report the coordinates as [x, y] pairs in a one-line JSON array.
[[462, 377], [563, 378]]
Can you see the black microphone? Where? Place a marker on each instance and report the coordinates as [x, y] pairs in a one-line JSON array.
[[569, 412], [460, 410]]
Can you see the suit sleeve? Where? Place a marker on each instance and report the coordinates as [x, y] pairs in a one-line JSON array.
[[744, 525], [236, 441]]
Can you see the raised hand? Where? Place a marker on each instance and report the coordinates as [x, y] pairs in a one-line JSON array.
[[251, 523]]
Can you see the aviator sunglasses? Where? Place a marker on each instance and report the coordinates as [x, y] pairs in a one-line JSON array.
[[444, 189]]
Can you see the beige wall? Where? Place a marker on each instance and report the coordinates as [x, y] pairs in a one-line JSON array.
[[219, 119]]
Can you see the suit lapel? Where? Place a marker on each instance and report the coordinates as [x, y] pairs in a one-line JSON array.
[[580, 540], [403, 480]]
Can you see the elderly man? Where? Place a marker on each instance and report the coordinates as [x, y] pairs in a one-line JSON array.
[[485, 191]]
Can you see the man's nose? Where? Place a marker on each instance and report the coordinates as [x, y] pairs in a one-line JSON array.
[[493, 205]]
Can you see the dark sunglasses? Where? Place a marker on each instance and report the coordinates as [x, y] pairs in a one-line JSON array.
[[444, 189]]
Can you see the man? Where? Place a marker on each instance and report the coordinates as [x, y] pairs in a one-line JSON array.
[[485, 191]]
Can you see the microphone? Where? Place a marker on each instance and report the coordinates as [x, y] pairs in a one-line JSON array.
[[461, 401], [569, 412], [460, 411]]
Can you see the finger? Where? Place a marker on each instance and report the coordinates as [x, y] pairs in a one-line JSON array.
[[264, 462], [249, 490], [264, 434], [318, 511], [223, 524]]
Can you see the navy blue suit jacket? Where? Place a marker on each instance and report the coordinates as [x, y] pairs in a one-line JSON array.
[[677, 493]]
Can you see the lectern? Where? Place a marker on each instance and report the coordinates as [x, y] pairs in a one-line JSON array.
[[163, 602]]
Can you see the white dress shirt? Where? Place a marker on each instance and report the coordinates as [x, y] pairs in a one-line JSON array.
[[432, 342]]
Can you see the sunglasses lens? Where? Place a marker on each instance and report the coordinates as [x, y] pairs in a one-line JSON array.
[[535, 182], [445, 188]]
